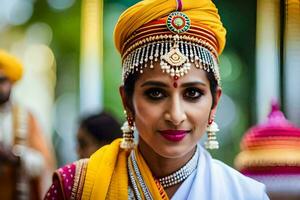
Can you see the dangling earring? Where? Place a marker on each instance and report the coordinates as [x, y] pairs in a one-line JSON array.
[[128, 127], [211, 130]]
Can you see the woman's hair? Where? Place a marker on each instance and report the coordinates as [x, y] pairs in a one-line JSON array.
[[132, 78], [102, 126]]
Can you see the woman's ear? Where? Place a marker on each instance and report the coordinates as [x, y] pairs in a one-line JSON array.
[[216, 102], [125, 99]]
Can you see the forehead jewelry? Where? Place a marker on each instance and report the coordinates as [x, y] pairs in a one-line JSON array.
[[175, 63], [174, 43]]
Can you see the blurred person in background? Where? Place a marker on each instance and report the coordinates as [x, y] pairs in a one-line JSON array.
[[96, 131], [26, 159]]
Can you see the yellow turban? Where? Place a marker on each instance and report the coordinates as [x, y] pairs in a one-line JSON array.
[[202, 12], [10, 66]]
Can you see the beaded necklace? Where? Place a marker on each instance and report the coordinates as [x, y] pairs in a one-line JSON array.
[[181, 174], [139, 188]]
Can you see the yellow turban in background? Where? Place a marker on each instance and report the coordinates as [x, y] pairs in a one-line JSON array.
[[202, 12], [10, 66]]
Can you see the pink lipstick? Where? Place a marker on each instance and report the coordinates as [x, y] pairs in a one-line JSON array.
[[174, 135]]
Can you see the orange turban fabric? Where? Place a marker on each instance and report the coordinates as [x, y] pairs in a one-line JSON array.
[[10, 66], [202, 12]]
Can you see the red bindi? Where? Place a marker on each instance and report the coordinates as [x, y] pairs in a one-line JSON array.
[[175, 84]]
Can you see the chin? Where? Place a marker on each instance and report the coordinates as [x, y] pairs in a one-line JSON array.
[[174, 151]]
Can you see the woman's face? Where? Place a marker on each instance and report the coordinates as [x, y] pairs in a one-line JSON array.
[[86, 143], [171, 120]]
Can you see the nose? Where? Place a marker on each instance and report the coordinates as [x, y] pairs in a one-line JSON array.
[[175, 113]]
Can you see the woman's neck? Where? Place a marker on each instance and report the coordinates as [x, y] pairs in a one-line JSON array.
[[161, 166]]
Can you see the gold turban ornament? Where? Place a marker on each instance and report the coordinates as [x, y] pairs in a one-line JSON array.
[[10, 66], [202, 12]]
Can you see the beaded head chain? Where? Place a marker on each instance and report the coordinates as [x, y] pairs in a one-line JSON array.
[[173, 41]]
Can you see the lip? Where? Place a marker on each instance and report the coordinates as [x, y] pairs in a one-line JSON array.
[[174, 135]]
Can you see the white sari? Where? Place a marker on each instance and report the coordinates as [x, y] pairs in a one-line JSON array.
[[213, 180]]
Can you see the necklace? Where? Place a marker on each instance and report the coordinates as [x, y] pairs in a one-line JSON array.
[[139, 189], [181, 174], [136, 179]]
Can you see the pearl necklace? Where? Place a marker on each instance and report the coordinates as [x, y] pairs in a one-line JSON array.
[[137, 181], [181, 174]]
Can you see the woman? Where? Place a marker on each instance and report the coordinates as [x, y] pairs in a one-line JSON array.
[[170, 92]]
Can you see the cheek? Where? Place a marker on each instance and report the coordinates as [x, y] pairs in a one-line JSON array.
[[142, 112], [146, 115], [5, 91], [6, 87], [198, 115], [92, 148]]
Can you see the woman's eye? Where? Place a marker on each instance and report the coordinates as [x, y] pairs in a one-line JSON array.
[[155, 94], [193, 93]]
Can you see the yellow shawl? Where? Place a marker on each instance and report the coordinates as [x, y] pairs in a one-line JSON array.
[[107, 176]]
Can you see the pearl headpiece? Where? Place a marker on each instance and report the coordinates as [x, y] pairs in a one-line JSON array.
[[173, 42]]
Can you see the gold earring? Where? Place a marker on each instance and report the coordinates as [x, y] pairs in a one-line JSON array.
[[128, 127], [211, 130]]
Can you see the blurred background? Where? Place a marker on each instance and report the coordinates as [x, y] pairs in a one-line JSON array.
[[69, 71]]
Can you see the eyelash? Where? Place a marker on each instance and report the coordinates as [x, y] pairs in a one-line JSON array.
[[197, 93], [158, 94], [150, 93]]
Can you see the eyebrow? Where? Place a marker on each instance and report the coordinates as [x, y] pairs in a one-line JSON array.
[[161, 84], [154, 83], [195, 83]]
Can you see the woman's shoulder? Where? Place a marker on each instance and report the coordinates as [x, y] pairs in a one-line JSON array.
[[228, 182], [231, 173], [238, 182], [68, 181]]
